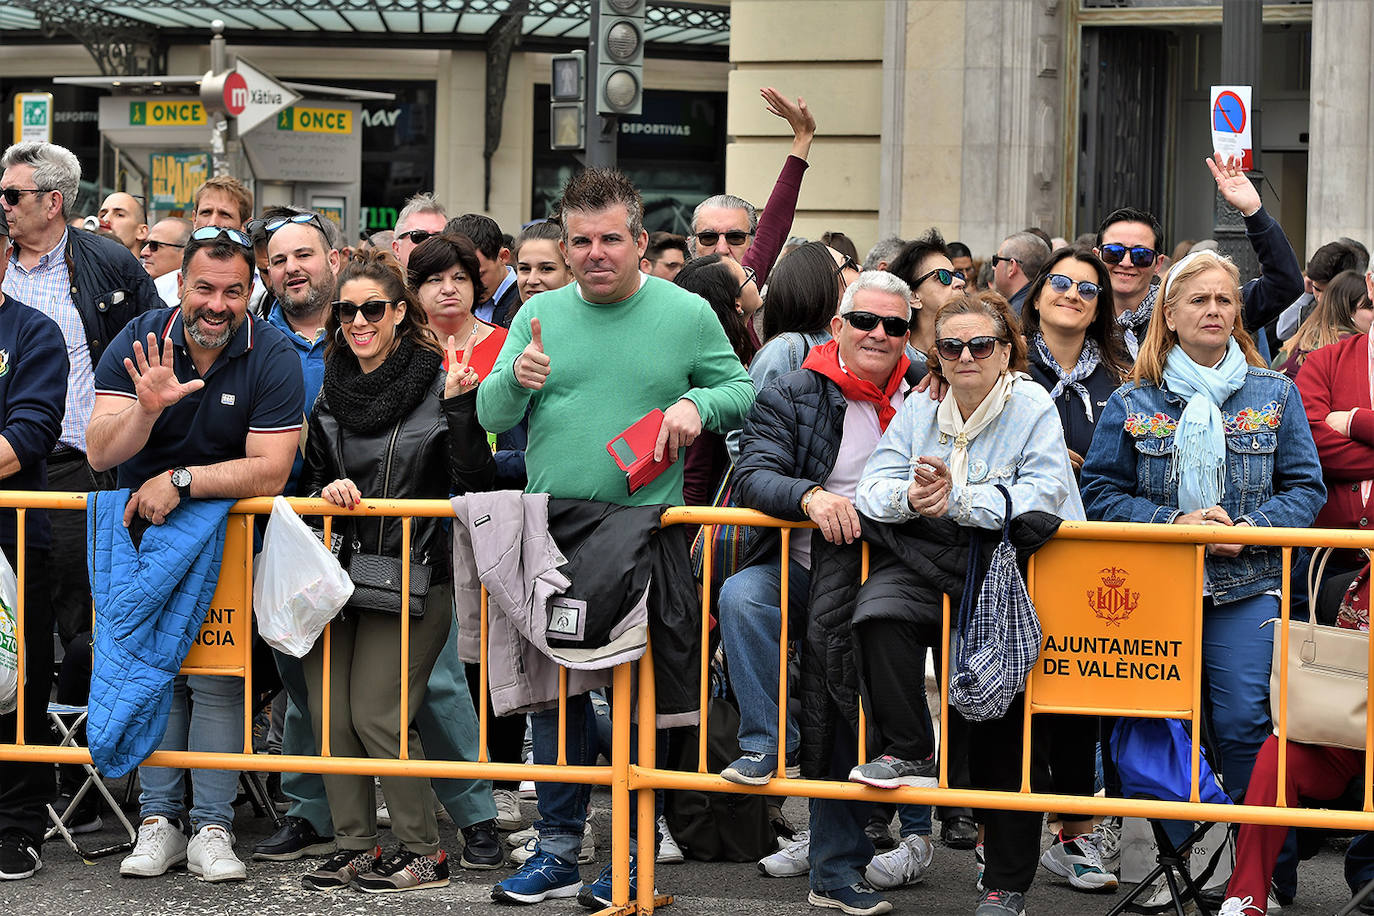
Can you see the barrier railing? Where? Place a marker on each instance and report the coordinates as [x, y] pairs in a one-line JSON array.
[[1152, 588]]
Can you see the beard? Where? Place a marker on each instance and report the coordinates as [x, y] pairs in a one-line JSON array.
[[208, 340], [315, 300]]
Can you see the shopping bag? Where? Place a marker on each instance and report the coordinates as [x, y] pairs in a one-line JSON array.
[[9, 637], [298, 585]]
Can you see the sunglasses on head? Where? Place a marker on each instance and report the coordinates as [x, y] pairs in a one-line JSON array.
[[11, 195], [416, 236], [372, 309], [733, 237], [952, 348], [208, 234], [300, 219], [1140, 255], [749, 277], [1062, 284], [154, 245], [942, 275], [867, 321]]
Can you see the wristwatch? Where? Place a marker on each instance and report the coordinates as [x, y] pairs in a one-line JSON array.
[[181, 479]]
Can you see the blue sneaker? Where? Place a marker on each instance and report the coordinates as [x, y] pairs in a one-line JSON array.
[[752, 769], [597, 895], [856, 900], [543, 876]]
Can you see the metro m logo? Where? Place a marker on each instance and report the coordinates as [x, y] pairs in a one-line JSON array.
[[238, 97]]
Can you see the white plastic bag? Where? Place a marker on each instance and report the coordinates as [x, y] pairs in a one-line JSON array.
[[298, 585], [9, 642]]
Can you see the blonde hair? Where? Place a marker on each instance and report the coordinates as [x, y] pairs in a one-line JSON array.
[[1160, 338]]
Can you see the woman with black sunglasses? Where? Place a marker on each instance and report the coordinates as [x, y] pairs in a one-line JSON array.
[[390, 422]]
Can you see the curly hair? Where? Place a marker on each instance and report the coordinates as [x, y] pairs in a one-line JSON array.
[[381, 267]]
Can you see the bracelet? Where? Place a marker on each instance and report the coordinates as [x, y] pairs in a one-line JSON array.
[[806, 500]]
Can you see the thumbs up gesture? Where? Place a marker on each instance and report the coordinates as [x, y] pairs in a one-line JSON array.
[[532, 365]]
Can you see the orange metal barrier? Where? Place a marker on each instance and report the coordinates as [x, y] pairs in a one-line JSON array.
[[1150, 590]]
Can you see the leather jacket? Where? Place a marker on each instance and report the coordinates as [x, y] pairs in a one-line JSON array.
[[432, 453]]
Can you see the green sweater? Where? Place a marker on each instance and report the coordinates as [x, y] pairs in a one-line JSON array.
[[609, 365]]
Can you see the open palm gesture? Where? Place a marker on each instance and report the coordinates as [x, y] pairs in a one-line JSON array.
[[155, 378]]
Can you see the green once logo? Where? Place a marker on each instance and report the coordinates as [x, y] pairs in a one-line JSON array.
[[35, 113], [138, 112]]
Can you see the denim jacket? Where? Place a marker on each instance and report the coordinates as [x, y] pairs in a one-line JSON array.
[[1273, 477]]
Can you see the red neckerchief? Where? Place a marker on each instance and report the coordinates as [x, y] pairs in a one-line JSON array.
[[825, 360]]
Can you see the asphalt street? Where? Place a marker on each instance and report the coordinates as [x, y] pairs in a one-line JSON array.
[[66, 885]]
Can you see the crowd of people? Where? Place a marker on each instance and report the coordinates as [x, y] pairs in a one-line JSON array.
[[921, 400]]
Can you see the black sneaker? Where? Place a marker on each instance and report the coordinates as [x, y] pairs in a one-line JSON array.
[[341, 868], [405, 871], [18, 857], [879, 832], [482, 847], [888, 772], [295, 838]]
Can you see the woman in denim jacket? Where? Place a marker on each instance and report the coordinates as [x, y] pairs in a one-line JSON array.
[[1204, 435]]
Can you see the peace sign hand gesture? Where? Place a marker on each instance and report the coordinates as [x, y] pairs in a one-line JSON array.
[[461, 378], [155, 379]]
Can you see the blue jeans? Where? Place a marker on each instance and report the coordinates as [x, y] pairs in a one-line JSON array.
[[215, 725], [750, 627], [1236, 656], [840, 850], [447, 723]]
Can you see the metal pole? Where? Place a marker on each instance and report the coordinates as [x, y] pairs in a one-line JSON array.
[[602, 130], [1241, 33], [219, 122]]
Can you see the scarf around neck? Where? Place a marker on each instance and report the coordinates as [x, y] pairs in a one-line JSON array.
[[1200, 440], [1088, 359], [824, 359], [1137, 320], [952, 423], [366, 402]]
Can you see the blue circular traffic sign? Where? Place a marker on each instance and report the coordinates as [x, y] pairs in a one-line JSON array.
[[1228, 115]]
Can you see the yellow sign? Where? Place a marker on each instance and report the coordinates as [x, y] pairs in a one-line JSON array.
[[316, 120], [224, 640], [182, 112], [1117, 624]]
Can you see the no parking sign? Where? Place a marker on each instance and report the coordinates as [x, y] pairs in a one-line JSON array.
[[1231, 123]]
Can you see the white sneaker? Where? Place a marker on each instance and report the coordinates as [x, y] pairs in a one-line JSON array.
[[906, 864], [161, 844], [526, 850], [789, 861], [508, 815], [1239, 906], [669, 852], [1079, 861], [521, 837], [527, 791], [210, 854], [1108, 834]]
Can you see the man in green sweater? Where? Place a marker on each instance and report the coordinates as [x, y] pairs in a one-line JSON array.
[[587, 361]]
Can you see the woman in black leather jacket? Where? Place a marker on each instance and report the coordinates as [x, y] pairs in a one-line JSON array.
[[389, 423]]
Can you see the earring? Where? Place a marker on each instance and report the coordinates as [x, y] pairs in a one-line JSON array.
[[339, 335]]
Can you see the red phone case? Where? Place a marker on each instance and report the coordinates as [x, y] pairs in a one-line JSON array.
[[639, 441]]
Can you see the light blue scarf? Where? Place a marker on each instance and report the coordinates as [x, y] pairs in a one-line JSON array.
[[1200, 441]]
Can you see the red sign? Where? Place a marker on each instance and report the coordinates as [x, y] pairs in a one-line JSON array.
[[235, 94]]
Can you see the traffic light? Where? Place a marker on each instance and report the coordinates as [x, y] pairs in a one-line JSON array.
[[567, 94], [620, 57]]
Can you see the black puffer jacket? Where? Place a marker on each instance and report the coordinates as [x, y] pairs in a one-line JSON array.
[[938, 551], [432, 453], [790, 441], [109, 287]]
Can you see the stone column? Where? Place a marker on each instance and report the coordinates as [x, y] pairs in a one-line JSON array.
[[1340, 173]]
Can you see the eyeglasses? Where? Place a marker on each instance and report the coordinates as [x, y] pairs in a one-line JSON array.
[[416, 236], [749, 277], [733, 237], [867, 321], [1062, 284], [952, 348], [154, 245], [942, 275], [372, 309], [208, 234], [1140, 255], [11, 195], [998, 259]]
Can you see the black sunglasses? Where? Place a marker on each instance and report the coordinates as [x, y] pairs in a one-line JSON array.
[[749, 277], [998, 259], [952, 348], [154, 245], [208, 234], [372, 309], [1140, 255], [867, 321], [416, 236], [11, 195], [1061, 284], [733, 237], [942, 275]]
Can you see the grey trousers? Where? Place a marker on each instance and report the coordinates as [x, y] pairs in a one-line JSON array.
[[365, 656]]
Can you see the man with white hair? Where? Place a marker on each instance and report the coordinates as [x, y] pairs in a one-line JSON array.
[[421, 217]]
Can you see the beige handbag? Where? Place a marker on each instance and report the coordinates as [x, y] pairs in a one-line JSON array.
[[1328, 678]]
